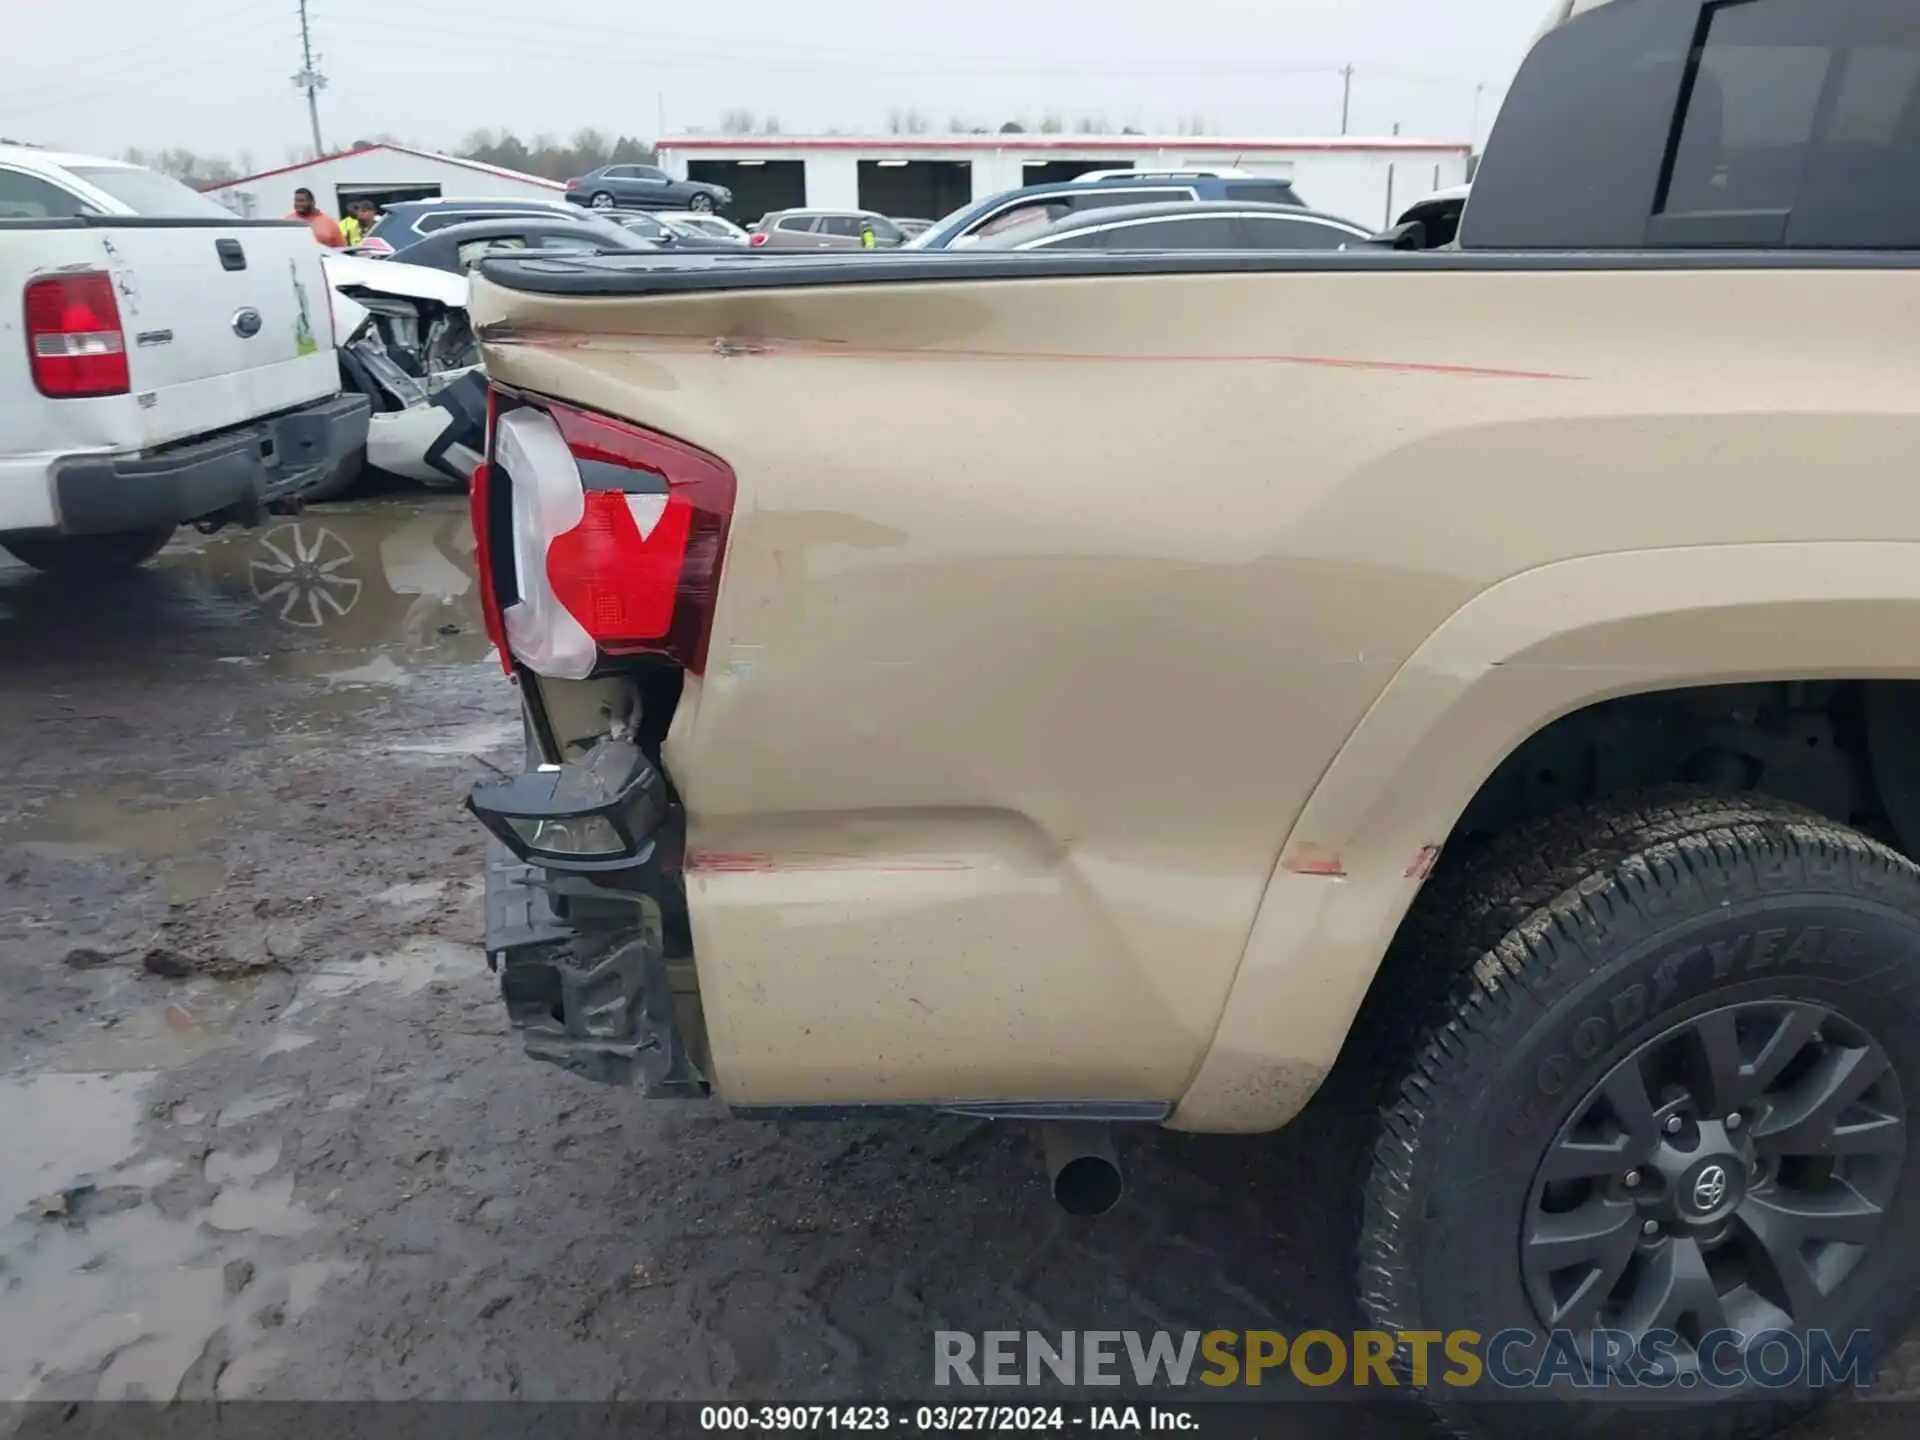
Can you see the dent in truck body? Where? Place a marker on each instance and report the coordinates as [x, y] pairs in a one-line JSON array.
[[1107, 642]]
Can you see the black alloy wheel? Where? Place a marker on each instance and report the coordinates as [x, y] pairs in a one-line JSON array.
[[1727, 1175]]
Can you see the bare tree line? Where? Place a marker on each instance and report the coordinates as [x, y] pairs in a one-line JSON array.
[[589, 148]]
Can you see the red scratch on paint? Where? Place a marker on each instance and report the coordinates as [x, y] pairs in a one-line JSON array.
[[1423, 863], [830, 350], [721, 863], [1312, 860]]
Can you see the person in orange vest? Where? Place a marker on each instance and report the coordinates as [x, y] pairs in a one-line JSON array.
[[325, 229]]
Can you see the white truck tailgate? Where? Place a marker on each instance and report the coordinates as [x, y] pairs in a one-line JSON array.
[[223, 323]]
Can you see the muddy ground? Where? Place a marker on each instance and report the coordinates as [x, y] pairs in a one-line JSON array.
[[262, 1128]]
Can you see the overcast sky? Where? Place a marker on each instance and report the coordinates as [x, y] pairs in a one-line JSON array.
[[215, 75]]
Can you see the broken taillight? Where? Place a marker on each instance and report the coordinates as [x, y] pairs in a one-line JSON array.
[[75, 346], [616, 535]]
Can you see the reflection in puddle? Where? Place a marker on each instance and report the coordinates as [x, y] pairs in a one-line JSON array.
[[130, 819], [386, 577], [158, 1037], [108, 1297], [474, 740], [409, 970], [60, 1128], [388, 580], [266, 1208]]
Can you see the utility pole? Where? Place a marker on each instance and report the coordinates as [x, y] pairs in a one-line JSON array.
[[1346, 95], [660, 130], [1478, 91], [309, 79]]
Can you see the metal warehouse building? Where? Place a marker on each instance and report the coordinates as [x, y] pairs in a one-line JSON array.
[[1367, 181], [381, 173]]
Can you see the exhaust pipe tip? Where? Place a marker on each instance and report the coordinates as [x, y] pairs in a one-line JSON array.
[[1082, 1171]]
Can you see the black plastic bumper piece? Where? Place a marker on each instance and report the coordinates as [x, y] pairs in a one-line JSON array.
[[596, 1003], [242, 470]]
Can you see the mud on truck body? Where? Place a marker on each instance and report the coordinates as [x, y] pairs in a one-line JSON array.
[[1094, 688]]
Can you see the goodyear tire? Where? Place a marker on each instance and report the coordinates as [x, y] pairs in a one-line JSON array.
[[1665, 1097], [79, 554]]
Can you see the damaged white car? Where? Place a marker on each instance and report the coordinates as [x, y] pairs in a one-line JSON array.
[[405, 342]]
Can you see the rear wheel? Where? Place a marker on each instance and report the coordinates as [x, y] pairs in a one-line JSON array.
[[601, 200], [701, 203], [72, 554], [1664, 1103]]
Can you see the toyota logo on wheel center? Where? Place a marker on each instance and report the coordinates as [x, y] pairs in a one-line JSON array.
[[1710, 1188]]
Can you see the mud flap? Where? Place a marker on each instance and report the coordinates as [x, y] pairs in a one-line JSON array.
[[593, 1002]]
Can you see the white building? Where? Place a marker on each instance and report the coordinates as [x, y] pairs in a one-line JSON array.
[[382, 173], [1367, 181]]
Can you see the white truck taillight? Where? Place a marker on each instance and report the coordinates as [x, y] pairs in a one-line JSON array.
[[613, 534], [75, 346]]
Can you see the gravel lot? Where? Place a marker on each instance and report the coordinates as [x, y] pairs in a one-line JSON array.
[[262, 1130]]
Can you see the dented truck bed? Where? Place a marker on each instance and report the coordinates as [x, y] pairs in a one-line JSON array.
[[1090, 630]]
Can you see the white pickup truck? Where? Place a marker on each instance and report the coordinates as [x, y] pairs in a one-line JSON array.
[[162, 362]]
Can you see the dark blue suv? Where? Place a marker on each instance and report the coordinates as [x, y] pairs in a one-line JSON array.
[[1042, 205]]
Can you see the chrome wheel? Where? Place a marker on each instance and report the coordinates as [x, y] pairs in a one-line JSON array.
[[701, 203], [601, 200]]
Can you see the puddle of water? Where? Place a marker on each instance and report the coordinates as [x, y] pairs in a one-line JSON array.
[[222, 1166], [61, 1128], [158, 1037], [129, 819], [185, 881], [475, 740], [265, 1208], [380, 670], [249, 1373], [388, 579], [409, 970], [118, 1301], [246, 1109]]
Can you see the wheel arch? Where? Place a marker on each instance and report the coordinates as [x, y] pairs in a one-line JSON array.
[[1509, 664]]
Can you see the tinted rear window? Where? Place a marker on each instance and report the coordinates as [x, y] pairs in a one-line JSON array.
[[1747, 123], [1104, 199], [28, 197], [1270, 192], [148, 192], [1213, 232], [1263, 232]]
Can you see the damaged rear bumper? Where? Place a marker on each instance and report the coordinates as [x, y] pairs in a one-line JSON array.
[[584, 969]]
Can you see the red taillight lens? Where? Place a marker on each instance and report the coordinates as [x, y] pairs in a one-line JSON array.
[[75, 346], [374, 245], [759, 237], [575, 183], [617, 535]]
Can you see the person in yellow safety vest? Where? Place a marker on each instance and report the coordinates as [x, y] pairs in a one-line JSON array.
[[868, 240], [362, 216]]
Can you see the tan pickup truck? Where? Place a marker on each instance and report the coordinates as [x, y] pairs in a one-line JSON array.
[[1094, 688]]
